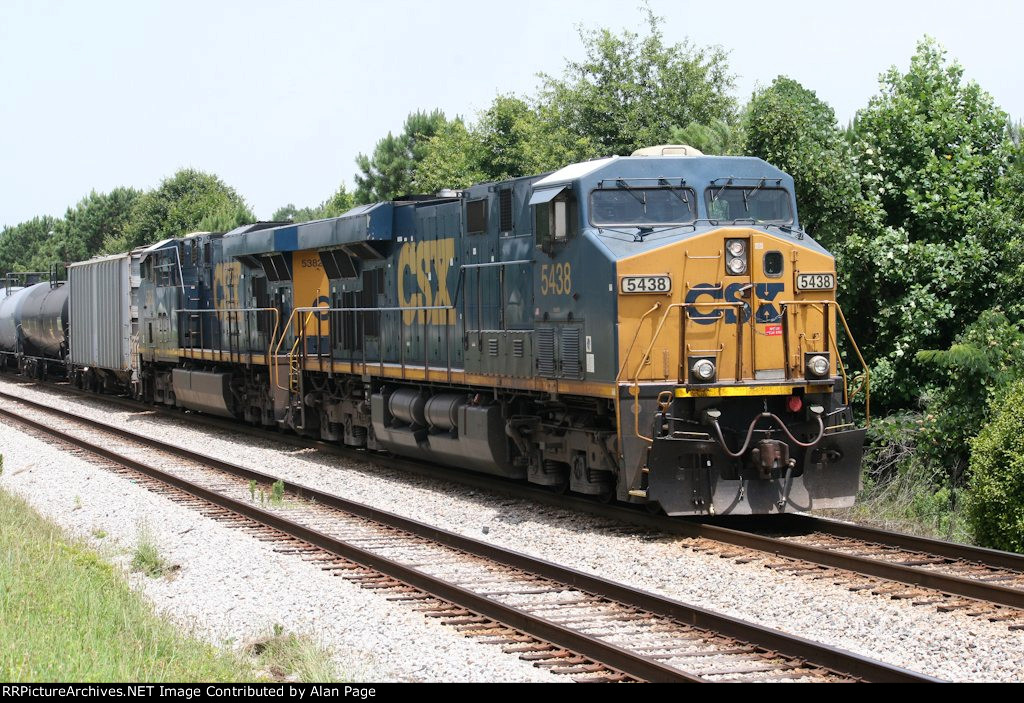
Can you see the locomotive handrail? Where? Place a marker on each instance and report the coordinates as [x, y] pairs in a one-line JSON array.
[[865, 383], [634, 379], [270, 338], [645, 357], [273, 362]]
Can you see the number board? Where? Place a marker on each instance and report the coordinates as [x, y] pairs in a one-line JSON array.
[[645, 284], [815, 281]]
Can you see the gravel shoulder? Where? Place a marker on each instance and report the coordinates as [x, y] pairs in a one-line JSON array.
[[232, 589], [947, 645]]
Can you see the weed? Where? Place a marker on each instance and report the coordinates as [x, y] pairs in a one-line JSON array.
[[146, 558], [277, 492], [78, 502], [99, 533], [252, 490], [287, 656]]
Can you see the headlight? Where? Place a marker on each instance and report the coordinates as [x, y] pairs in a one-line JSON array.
[[703, 370], [818, 365], [736, 256]]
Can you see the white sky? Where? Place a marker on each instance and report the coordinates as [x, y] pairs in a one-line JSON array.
[[277, 98]]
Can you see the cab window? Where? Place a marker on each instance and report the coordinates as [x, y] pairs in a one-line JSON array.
[[557, 220], [635, 207], [753, 203]]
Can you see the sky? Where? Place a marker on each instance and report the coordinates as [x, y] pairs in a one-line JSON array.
[[278, 98]]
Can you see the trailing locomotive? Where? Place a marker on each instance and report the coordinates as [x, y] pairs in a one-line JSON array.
[[654, 329]]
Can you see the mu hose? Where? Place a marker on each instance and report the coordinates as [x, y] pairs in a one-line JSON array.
[[750, 433]]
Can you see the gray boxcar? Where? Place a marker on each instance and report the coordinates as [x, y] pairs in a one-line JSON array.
[[104, 316]]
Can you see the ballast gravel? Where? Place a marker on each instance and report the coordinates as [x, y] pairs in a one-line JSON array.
[[950, 646], [231, 589]]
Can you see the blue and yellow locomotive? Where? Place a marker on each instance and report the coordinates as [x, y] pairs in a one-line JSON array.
[[653, 329]]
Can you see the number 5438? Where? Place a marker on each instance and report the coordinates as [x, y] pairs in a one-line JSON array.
[[556, 279]]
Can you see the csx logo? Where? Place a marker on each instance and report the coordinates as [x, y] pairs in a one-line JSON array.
[[423, 281], [765, 295]]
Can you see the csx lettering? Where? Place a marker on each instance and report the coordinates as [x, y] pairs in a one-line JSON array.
[[423, 281], [556, 279], [765, 294], [226, 276]]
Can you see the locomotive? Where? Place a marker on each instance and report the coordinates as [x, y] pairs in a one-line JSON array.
[[651, 329]]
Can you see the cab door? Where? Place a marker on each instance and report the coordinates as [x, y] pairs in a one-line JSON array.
[[770, 270]]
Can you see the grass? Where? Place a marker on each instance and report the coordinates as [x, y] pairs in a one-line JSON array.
[[146, 558], [293, 657], [909, 502], [67, 615]]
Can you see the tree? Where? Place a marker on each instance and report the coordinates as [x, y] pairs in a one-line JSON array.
[[178, 206], [95, 217], [388, 174], [338, 204], [930, 152], [933, 146], [790, 127], [995, 500], [719, 138], [632, 91], [27, 246]]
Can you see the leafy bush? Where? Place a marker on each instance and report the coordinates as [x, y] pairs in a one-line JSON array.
[[995, 501]]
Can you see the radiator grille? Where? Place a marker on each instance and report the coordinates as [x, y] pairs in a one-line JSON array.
[[570, 352], [546, 353]]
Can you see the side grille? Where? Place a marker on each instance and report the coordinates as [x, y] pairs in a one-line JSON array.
[[492, 346], [517, 348], [570, 352], [546, 352], [505, 208]]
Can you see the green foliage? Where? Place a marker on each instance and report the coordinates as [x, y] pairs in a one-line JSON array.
[[277, 492], [29, 246], [389, 172], [719, 138], [631, 91], [181, 204], [932, 146], [338, 204], [452, 159], [790, 127], [995, 501], [146, 558], [973, 372], [295, 657], [901, 491], [510, 139], [84, 228], [907, 296], [934, 247], [67, 615]]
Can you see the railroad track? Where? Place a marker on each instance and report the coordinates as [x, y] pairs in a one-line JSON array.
[[980, 582], [569, 621]]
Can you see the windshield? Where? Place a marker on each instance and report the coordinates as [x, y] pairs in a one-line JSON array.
[[642, 206], [749, 203]]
